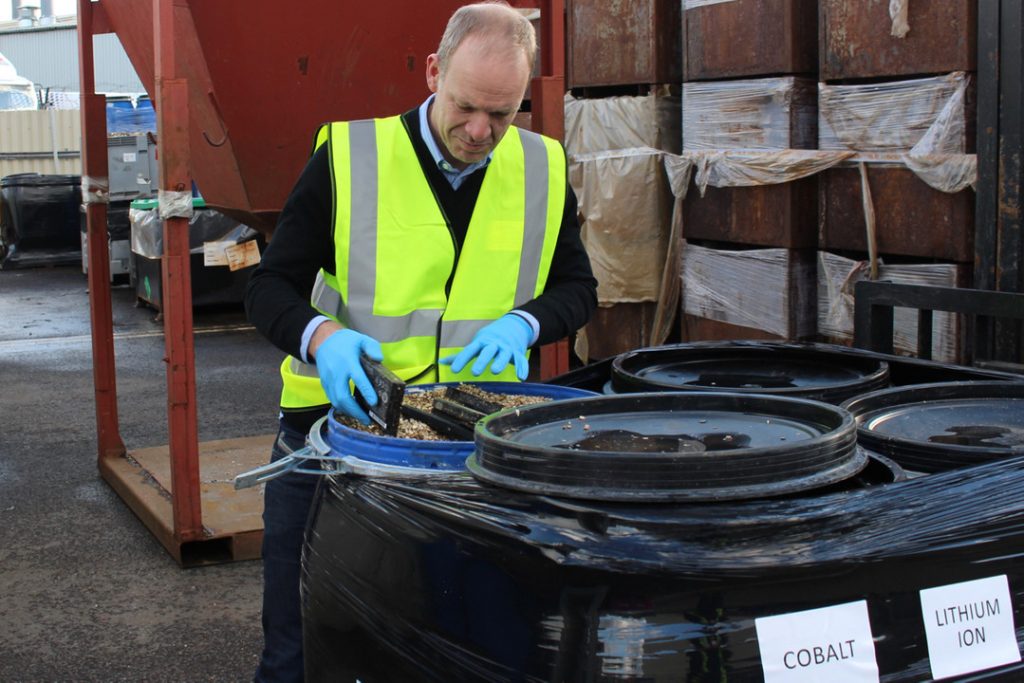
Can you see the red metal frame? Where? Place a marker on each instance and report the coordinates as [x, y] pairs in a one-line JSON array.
[[184, 525], [173, 129], [172, 114], [94, 166]]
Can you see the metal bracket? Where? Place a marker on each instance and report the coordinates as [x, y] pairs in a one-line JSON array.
[[316, 449]]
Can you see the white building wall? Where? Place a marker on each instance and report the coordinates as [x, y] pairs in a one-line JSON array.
[[48, 56]]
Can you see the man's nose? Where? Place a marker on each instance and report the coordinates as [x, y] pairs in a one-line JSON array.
[[478, 127]]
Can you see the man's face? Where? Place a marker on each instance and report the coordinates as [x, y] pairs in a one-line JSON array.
[[476, 98]]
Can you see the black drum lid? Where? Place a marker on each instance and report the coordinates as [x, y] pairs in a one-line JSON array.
[[657, 447], [804, 371], [941, 426]]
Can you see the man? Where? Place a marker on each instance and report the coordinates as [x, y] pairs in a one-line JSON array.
[[443, 242]]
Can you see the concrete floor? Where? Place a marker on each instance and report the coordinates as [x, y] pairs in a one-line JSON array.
[[86, 592]]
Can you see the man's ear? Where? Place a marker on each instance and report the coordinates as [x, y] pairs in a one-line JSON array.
[[433, 72]]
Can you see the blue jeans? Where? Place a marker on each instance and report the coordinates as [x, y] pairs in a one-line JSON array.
[[286, 504]]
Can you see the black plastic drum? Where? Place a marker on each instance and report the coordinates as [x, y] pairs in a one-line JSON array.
[[802, 371], [937, 427], [656, 447]]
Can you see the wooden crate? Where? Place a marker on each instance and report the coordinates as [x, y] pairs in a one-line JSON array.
[[893, 116], [912, 219], [624, 42], [750, 38], [856, 39], [837, 276], [772, 290], [751, 114], [783, 215]]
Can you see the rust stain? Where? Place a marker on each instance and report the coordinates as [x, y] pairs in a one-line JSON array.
[[1009, 202], [303, 65]]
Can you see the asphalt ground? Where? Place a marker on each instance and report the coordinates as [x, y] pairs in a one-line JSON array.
[[86, 592]]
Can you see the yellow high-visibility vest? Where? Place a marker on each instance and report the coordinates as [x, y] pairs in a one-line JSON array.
[[395, 254]]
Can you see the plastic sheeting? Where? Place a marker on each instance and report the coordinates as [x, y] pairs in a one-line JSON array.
[[445, 579], [898, 12], [679, 169], [745, 169], [895, 116], [205, 225], [751, 114], [741, 133], [125, 118], [615, 147], [627, 209], [610, 123], [764, 289], [693, 4], [920, 123], [836, 279], [39, 220]]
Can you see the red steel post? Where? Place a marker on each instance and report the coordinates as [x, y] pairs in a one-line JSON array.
[[548, 116], [94, 182], [175, 182]]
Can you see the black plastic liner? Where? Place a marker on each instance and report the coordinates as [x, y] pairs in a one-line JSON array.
[[941, 426], [668, 447], [119, 225], [39, 220], [763, 368], [447, 579]]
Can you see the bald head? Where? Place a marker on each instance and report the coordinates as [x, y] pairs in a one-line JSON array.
[[495, 27]]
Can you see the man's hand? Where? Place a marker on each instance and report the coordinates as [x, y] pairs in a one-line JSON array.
[[496, 344], [338, 362]]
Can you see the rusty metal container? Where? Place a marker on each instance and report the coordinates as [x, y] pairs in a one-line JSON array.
[[619, 328], [623, 43], [912, 218], [696, 328], [857, 41], [783, 215], [750, 38], [263, 76]]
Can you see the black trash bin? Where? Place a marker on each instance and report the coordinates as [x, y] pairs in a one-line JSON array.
[[39, 220], [212, 284]]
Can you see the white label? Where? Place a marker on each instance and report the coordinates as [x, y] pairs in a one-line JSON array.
[[243, 255], [969, 626], [215, 253], [831, 644], [128, 157]]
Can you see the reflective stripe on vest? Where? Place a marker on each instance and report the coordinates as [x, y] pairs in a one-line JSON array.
[[392, 273]]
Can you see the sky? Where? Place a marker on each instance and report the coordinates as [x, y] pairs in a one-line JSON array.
[[60, 8]]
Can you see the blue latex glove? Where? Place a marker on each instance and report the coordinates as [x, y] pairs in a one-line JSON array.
[[337, 360], [496, 344]]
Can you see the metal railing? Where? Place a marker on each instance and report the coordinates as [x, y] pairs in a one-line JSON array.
[[875, 301]]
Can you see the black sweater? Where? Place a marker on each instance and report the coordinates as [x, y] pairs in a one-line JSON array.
[[277, 297]]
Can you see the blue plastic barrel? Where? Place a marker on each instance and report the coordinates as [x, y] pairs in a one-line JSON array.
[[448, 456]]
